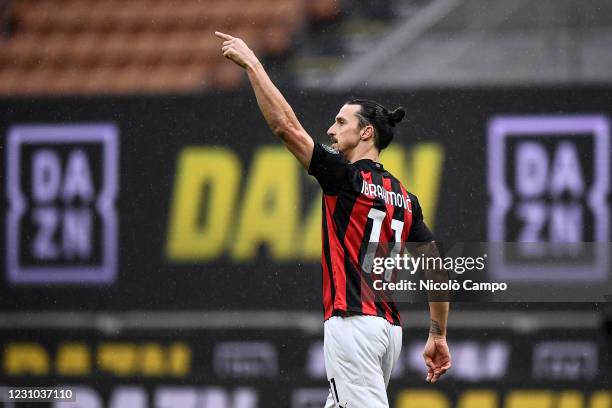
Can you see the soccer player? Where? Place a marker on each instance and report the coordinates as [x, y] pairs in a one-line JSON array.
[[362, 203]]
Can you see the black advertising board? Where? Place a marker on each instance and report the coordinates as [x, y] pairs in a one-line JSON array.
[[285, 368], [190, 202]]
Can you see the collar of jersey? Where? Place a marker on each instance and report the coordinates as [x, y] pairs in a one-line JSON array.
[[370, 163]]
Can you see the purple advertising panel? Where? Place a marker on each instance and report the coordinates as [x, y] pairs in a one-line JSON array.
[[61, 224], [548, 179]]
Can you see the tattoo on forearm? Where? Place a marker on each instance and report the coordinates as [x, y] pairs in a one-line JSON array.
[[434, 328]]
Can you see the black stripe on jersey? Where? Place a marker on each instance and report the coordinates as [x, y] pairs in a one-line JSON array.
[[394, 313], [398, 213], [342, 216], [327, 254]]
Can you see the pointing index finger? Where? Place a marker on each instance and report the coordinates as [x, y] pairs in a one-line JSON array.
[[223, 35]]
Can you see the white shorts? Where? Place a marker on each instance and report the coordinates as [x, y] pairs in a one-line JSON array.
[[360, 352]]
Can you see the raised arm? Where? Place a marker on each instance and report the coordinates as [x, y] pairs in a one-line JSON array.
[[276, 110]]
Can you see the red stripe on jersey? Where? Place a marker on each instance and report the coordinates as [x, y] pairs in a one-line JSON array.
[[336, 252], [388, 236], [407, 215]]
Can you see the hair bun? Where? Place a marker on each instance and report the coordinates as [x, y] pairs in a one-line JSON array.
[[397, 115]]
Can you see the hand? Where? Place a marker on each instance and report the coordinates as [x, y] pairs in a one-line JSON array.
[[236, 50], [437, 357]]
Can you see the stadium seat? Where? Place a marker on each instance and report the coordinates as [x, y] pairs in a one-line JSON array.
[[226, 76], [276, 40], [93, 46], [323, 10]]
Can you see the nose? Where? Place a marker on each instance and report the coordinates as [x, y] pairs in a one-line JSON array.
[[330, 131]]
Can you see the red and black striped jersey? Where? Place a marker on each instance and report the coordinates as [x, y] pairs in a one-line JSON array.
[[362, 204]]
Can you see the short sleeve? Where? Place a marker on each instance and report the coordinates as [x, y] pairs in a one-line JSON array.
[[419, 232], [330, 168]]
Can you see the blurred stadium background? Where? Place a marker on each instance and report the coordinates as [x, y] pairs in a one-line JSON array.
[[160, 248]]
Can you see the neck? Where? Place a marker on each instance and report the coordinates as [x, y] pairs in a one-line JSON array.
[[359, 153]]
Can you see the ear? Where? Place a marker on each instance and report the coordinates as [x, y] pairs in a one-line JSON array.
[[368, 132]]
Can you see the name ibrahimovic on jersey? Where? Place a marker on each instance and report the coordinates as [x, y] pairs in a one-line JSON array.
[[390, 197]]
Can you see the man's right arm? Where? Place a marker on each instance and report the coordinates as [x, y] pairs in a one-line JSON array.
[[276, 110], [436, 354]]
